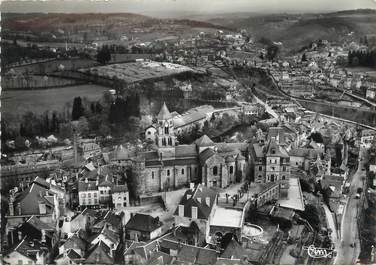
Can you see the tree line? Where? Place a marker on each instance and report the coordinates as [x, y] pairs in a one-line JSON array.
[[362, 58]]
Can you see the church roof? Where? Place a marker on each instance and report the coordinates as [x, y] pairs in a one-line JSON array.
[[204, 141], [164, 113]]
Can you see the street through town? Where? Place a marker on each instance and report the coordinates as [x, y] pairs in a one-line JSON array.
[[346, 254]]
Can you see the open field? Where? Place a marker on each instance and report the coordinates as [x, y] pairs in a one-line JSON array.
[[38, 101]]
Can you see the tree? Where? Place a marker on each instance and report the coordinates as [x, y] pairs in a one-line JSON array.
[[272, 52], [104, 55], [77, 110]]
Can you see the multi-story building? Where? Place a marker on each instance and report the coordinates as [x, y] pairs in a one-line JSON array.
[[197, 205], [270, 162], [88, 193]]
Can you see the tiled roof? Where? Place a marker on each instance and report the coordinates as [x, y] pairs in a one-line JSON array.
[[206, 154], [143, 222], [186, 150], [204, 141]]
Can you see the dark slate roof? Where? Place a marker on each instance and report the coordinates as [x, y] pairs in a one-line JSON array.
[[159, 258], [197, 255], [190, 199], [39, 225], [100, 251], [29, 200], [204, 141], [164, 113], [42, 182], [90, 185], [233, 250], [75, 240], [120, 188], [279, 151], [304, 152], [28, 248], [143, 222]]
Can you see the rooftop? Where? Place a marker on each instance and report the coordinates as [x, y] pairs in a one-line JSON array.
[[227, 217], [294, 198]]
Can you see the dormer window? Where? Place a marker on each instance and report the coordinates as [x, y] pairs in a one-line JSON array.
[[273, 151]]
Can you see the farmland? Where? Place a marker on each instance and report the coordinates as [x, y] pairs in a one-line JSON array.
[[20, 101]]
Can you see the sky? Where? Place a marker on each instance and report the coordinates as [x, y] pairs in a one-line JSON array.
[[183, 6]]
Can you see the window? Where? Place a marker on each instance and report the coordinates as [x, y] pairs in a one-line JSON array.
[[283, 177], [182, 171], [168, 172], [152, 174], [194, 212], [20, 262], [89, 195], [215, 171], [273, 151], [149, 132], [296, 163], [95, 195], [166, 129], [101, 191], [284, 168], [164, 141], [125, 204], [169, 141], [125, 198], [260, 168], [231, 169], [83, 195]]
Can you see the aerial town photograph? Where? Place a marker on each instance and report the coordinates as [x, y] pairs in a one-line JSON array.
[[188, 132]]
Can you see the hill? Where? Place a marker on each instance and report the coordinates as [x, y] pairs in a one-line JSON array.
[[109, 21], [297, 30]]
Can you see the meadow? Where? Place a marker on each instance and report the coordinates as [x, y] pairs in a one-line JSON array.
[[18, 102]]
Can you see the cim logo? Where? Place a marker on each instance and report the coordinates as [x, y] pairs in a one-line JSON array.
[[318, 253]]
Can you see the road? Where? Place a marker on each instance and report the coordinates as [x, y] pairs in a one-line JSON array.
[[346, 254]]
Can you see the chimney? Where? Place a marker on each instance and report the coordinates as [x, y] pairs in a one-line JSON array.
[[19, 211], [192, 186], [19, 235], [11, 209], [43, 239], [181, 210], [207, 200]]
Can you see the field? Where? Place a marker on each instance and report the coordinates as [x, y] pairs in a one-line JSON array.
[[363, 70], [38, 101]]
